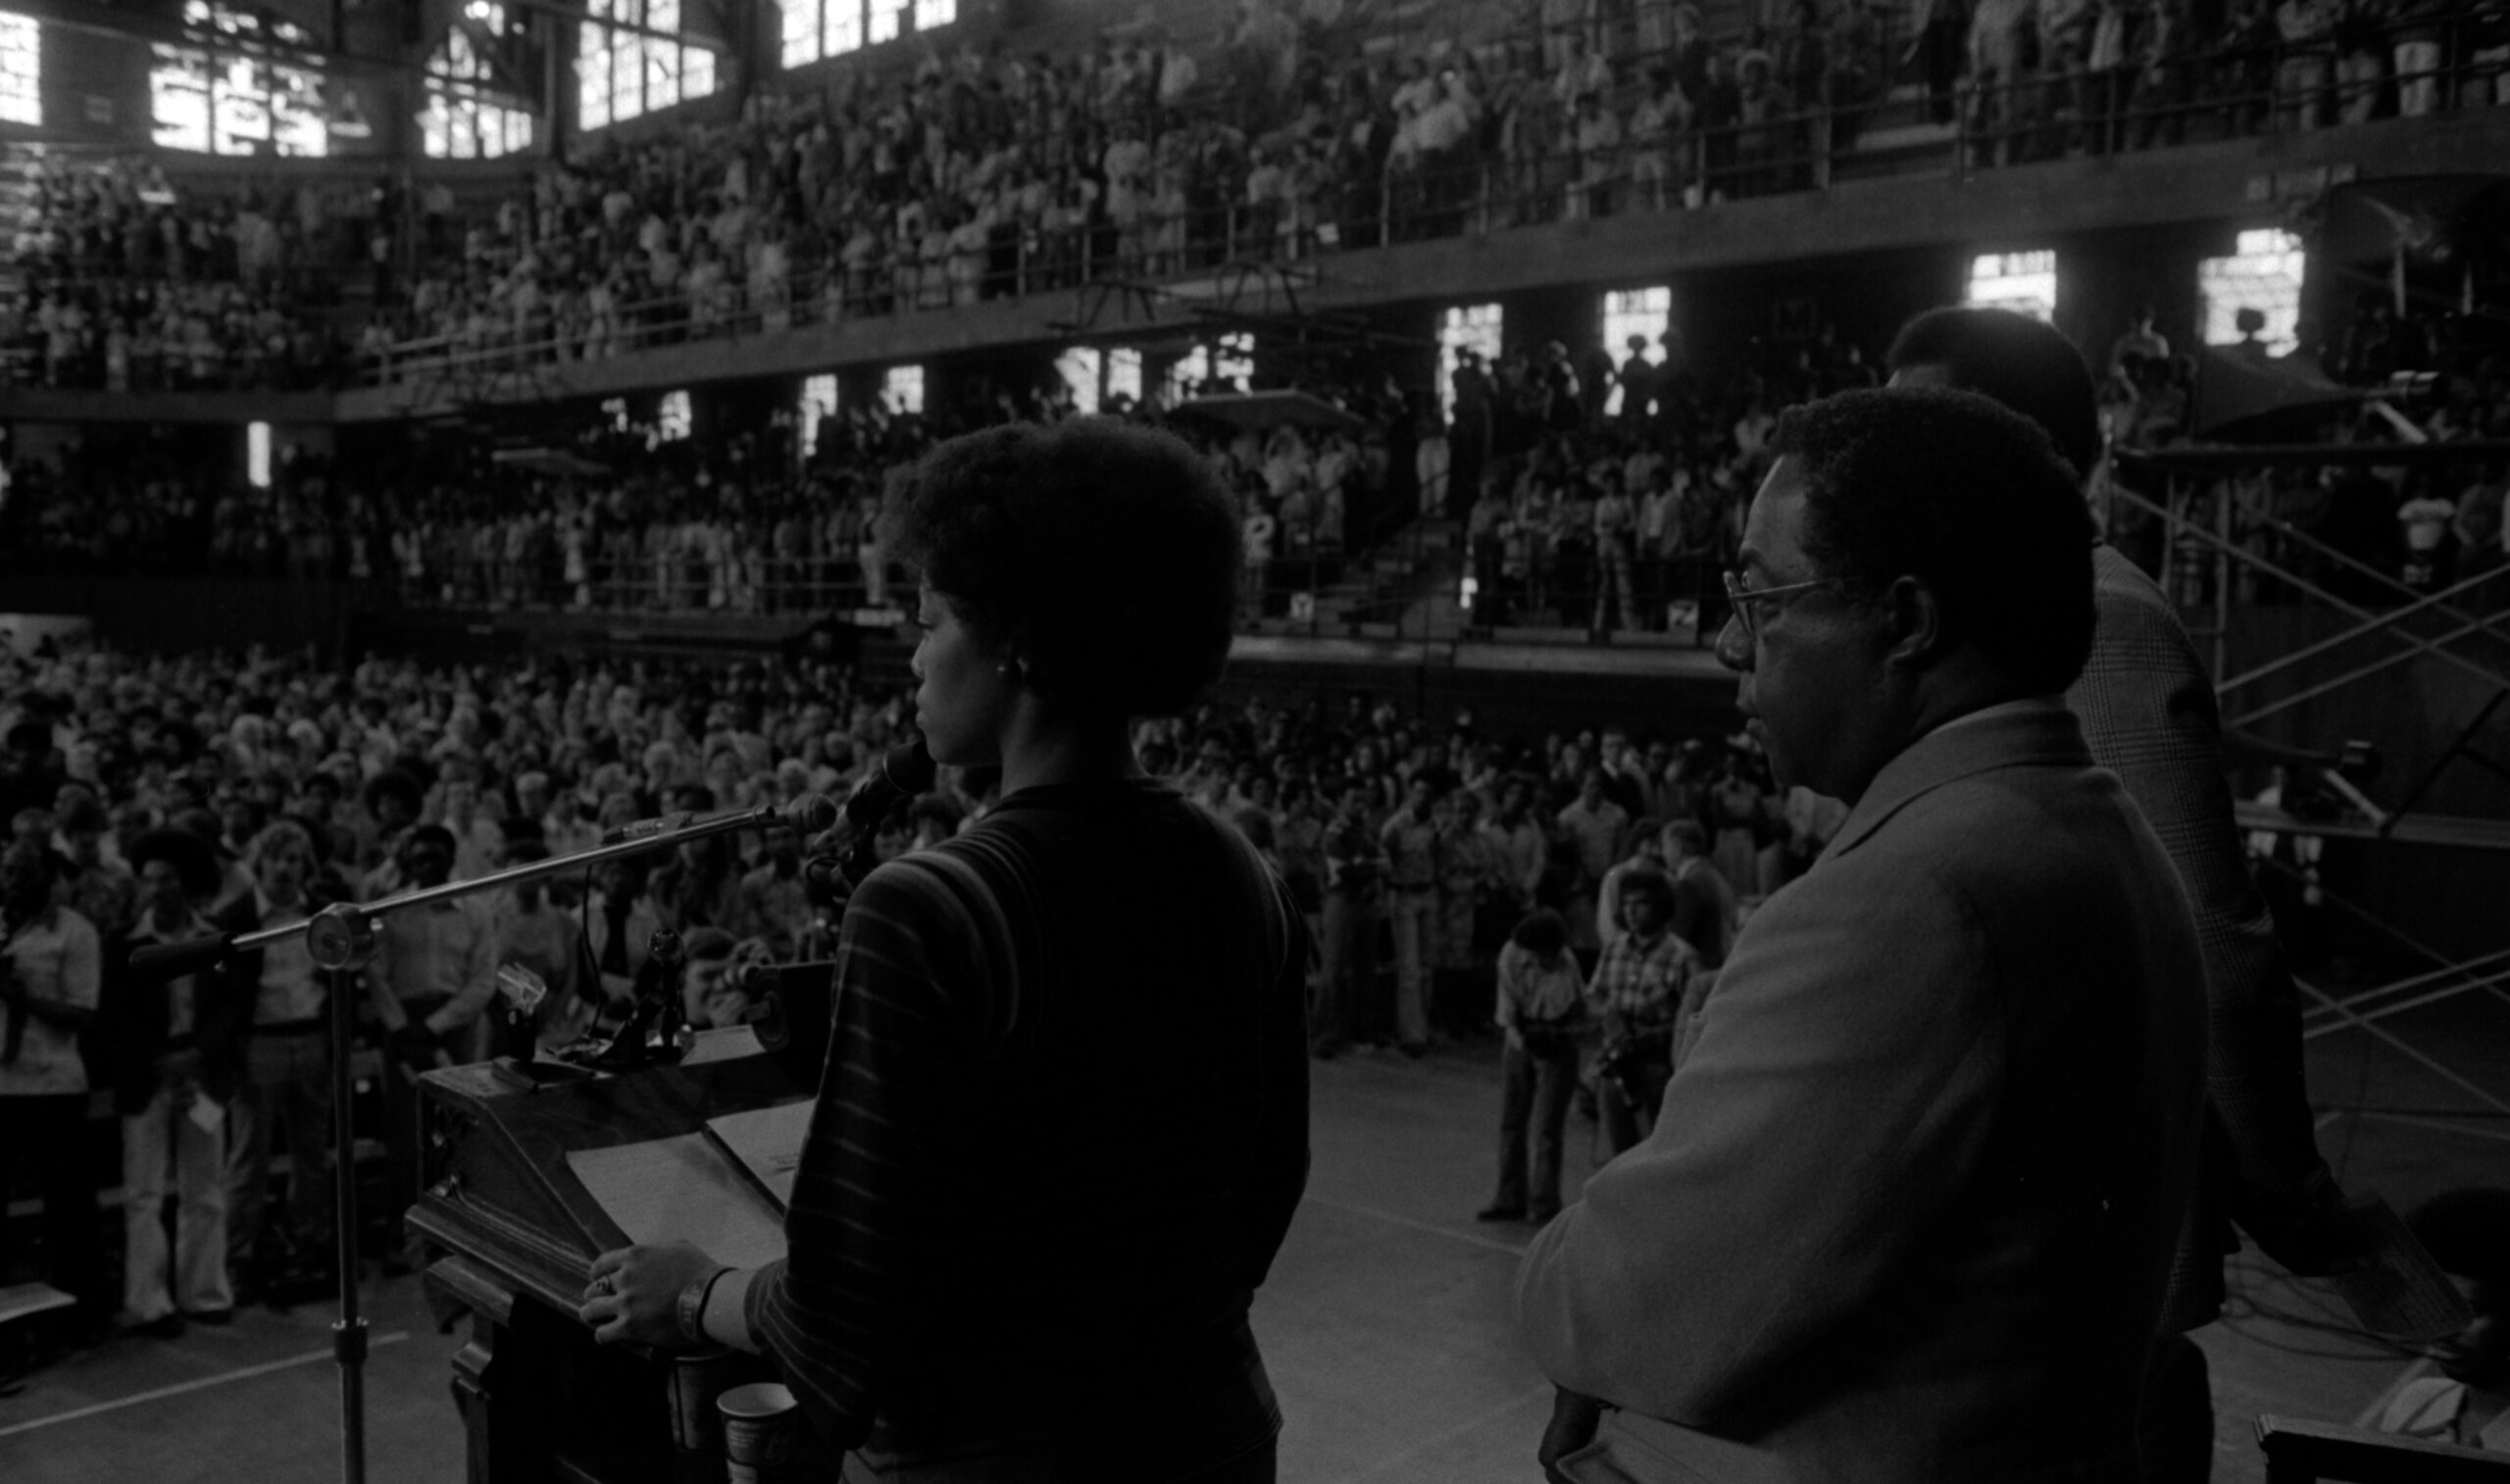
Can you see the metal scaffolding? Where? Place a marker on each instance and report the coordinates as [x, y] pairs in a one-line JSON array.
[[2210, 544]]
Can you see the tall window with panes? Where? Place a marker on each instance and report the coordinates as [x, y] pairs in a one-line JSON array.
[[463, 120], [811, 29], [903, 388], [819, 400], [2264, 273], [1467, 327], [2023, 282], [1644, 313], [1082, 370], [1227, 367], [236, 96], [623, 74], [21, 70]]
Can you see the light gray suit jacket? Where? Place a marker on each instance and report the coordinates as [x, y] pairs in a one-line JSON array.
[[1909, 1209]]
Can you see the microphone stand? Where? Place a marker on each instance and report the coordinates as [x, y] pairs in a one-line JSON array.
[[341, 940]]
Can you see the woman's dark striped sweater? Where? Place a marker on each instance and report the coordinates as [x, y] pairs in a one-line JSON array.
[[1059, 1135]]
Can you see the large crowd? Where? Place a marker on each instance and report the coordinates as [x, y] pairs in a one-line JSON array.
[[981, 173], [126, 285], [1587, 491], [984, 174], [152, 799], [1561, 475]]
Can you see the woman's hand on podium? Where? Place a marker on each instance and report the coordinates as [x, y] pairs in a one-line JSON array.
[[635, 1291]]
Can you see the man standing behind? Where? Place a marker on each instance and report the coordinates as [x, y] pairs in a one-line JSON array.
[[2148, 712], [1520, 843], [775, 903], [1908, 1210], [1409, 838], [1595, 823], [282, 1008], [101, 890], [1703, 898], [178, 1064], [1354, 877]]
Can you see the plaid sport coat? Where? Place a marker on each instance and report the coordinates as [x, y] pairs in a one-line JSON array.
[[2148, 710]]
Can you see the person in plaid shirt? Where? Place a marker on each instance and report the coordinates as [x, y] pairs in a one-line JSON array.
[[1636, 992]]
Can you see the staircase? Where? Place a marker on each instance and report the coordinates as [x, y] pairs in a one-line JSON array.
[[1403, 588]]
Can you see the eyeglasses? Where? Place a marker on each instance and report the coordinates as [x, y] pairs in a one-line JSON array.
[[1743, 598]]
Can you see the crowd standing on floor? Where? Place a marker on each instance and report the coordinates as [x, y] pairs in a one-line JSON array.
[[1580, 923], [153, 800]]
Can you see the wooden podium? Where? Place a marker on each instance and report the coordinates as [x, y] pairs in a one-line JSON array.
[[513, 1233]]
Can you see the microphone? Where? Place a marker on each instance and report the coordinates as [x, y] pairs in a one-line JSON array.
[[905, 772], [809, 813]]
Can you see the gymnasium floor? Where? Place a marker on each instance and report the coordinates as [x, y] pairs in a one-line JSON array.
[[1385, 1323]]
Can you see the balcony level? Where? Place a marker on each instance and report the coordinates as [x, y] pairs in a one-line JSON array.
[[1885, 224]]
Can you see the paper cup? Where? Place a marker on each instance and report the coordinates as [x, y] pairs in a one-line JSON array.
[[760, 1423]]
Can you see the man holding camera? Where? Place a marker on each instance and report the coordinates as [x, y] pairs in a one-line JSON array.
[[1637, 991]]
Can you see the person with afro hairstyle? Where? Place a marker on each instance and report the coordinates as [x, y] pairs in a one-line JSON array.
[[1063, 1124]]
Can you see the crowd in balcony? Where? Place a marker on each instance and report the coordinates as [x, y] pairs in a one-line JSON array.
[[736, 523], [983, 174], [1594, 491], [127, 283], [978, 175], [2428, 376]]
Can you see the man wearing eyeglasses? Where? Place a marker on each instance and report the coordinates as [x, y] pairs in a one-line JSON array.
[[1907, 1214]]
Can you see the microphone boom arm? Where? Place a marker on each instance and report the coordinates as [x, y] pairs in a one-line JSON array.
[[173, 959]]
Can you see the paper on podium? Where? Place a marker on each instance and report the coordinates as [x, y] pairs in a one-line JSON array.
[[766, 1143], [681, 1190]]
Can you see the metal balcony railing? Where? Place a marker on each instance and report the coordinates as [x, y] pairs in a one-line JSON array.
[[2224, 92]]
